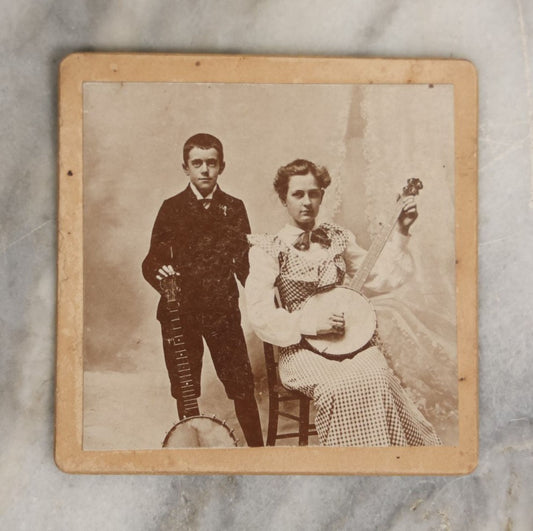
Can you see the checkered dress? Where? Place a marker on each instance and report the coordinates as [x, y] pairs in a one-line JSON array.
[[359, 401]]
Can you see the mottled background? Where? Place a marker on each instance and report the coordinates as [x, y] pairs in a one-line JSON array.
[[495, 34]]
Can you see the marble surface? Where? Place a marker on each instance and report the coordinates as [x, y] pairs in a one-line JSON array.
[[497, 35]]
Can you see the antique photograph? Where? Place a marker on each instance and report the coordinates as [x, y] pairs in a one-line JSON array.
[[236, 192], [268, 265]]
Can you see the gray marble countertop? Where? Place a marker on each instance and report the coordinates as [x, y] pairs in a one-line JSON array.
[[496, 35]]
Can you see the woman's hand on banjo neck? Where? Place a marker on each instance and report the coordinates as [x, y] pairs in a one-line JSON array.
[[408, 215]]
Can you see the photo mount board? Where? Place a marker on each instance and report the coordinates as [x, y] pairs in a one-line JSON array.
[[79, 69]]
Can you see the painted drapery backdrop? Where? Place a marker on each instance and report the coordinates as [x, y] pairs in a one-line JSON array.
[[372, 138]]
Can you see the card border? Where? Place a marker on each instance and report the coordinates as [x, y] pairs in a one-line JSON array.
[[79, 68]]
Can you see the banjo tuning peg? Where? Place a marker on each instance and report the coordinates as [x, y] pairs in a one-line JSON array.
[[413, 186]]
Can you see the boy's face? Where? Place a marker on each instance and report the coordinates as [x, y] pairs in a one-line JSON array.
[[203, 168]]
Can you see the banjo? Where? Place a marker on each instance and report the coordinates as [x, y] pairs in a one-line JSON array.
[[359, 315], [194, 430]]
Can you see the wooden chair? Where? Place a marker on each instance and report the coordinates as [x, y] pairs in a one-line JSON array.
[[277, 395]]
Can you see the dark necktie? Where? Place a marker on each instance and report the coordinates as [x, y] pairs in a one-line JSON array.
[[318, 235], [206, 203]]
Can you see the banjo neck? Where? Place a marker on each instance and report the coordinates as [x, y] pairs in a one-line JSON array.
[[190, 402], [375, 250], [411, 189], [171, 290]]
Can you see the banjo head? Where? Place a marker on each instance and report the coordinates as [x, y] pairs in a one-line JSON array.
[[200, 432], [359, 316]]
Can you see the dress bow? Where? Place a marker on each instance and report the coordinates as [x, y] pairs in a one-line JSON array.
[[317, 235]]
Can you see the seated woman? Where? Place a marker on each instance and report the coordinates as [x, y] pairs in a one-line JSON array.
[[359, 401]]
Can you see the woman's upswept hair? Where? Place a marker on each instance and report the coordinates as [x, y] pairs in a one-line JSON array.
[[299, 167]]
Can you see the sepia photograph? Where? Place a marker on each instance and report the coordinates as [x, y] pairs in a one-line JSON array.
[[268, 265]]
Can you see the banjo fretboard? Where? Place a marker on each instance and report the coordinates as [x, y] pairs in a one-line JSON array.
[[373, 253], [179, 351]]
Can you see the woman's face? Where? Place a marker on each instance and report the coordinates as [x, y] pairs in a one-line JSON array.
[[304, 197]]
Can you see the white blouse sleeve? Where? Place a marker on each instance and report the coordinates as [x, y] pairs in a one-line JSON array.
[[393, 267], [271, 324]]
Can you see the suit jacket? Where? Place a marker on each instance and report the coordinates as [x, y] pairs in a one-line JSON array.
[[208, 247]]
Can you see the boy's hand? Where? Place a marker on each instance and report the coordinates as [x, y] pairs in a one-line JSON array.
[[165, 271]]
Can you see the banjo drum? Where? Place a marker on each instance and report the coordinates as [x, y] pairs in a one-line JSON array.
[[359, 314], [359, 318], [200, 431]]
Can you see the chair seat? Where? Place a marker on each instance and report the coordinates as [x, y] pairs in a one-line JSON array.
[[283, 391]]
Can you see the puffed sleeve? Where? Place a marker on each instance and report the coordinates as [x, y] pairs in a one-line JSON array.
[[271, 324], [393, 267]]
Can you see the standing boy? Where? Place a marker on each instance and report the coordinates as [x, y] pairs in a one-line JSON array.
[[200, 234]]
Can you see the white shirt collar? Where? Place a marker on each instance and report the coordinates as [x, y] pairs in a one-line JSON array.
[[198, 195], [289, 233]]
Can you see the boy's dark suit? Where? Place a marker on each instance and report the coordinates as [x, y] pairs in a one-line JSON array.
[[208, 248]]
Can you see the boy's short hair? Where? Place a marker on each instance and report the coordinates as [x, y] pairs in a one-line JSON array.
[[203, 141]]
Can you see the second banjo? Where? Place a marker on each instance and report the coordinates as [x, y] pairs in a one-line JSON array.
[[194, 430], [359, 315]]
